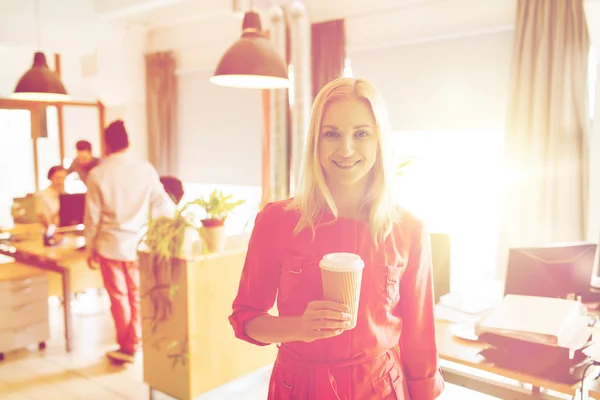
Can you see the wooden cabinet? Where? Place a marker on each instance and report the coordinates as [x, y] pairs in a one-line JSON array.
[[195, 350], [23, 307]]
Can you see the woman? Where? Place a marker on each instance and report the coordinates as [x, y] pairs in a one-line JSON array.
[[50, 197], [343, 204]]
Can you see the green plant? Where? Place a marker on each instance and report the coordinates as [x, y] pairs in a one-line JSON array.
[[164, 236], [217, 206], [402, 165], [164, 241]]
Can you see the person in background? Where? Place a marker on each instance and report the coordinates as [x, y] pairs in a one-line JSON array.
[[173, 187], [84, 162], [343, 203], [49, 205], [121, 192]]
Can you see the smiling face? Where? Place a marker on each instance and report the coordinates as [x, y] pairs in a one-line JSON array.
[[348, 143]]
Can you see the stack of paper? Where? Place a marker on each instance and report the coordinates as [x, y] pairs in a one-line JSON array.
[[549, 321]]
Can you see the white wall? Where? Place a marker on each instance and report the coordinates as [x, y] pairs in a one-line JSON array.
[[63, 25], [418, 21], [451, 84], [220, 132], [199, 44], [220, 129]]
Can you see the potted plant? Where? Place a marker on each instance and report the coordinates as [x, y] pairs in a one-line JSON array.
[[215, 208]]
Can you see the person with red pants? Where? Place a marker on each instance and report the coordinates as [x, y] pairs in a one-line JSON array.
[[122, 190], [343, 203]]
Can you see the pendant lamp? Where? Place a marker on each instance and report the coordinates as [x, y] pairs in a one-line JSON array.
[[40, 82], [252, 62]]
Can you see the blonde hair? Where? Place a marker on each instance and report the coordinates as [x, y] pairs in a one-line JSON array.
[[312, 194]]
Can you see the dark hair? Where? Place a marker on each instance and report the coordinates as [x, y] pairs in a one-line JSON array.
[[54, 170], [173, 187], [116, 137], [83, 145]]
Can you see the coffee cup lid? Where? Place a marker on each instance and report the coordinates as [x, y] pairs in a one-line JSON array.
[[341, 262]]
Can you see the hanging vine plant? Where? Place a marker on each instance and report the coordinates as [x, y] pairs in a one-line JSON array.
[[165, 242]]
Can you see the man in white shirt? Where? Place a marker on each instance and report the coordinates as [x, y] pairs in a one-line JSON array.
[[122, 191]]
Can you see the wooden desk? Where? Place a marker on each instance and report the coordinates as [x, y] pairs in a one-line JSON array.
[[63, 259], [67, 255], [465, 353]]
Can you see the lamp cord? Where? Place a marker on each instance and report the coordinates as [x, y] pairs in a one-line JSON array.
[[37, 25]]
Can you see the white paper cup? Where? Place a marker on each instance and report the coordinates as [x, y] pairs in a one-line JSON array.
[[341, 274]]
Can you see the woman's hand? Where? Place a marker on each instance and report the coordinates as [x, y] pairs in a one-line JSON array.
[[323, 319]]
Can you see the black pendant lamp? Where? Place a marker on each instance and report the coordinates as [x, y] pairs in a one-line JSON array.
[[40, 83], [252, 61]]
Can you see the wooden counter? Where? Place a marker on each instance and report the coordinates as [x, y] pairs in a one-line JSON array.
[[195, 350]]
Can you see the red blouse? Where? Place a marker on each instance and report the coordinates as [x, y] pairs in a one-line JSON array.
[[396, 308]]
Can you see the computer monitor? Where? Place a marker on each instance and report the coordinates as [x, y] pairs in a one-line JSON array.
[[24, 209], [72, 209], [551, 271]]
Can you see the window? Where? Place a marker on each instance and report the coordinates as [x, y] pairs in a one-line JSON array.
[[16, 160], [241, 220], [48, 145], [73, 183], [454, 183], [347, 69]]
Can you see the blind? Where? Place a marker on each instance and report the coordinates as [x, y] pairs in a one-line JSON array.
[[220, 132], [451, 84]]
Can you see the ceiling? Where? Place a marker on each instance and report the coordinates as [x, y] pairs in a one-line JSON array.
[[82, 22], [162, 13]]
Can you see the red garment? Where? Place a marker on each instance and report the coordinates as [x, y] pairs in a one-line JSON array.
[[122, 283], [396, 308]]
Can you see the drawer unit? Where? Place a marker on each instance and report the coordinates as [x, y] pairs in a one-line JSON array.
[[24, 336], [24, 314], [17, 292], [23, 307]]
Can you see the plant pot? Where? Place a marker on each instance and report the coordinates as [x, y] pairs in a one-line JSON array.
[[213, 234]]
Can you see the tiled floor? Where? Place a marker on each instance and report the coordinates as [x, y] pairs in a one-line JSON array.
[[84, 373]]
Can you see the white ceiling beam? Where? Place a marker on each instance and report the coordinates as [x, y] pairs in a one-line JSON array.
[[118, 9]]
